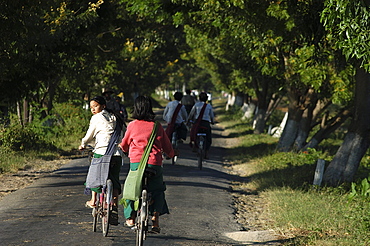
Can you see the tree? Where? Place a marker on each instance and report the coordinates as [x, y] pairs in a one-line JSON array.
[[347, 23]]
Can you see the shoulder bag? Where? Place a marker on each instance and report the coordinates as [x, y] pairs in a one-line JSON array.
[[99, 167], [133, 182]]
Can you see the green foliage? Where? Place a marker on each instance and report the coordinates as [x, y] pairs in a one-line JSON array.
[[70, 123], [19, 138], [361, 189], [347, 21], [66, 125]]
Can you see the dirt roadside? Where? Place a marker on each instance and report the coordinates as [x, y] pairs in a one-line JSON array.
[[11, 182]]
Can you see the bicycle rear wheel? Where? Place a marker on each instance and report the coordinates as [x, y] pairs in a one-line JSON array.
[[174, 146], [200, 153], [95, 213], [107, 207], [141, 224]]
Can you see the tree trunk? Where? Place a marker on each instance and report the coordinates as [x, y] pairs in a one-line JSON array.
[[290, 131], [259, 121], [345, 163], [327, 128], [305, 125], [19, 113], [261, 89]]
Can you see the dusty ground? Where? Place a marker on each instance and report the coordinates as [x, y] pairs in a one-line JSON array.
[[15, 181]]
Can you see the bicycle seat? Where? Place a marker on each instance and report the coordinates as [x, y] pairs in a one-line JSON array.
[[150, 172]]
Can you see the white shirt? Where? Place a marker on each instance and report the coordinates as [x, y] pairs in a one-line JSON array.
[[208, 114], [170, 109], [101, 129]]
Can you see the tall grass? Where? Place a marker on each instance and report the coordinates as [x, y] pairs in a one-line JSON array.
[[307, 215]]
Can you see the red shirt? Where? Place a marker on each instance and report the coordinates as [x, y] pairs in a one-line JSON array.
[[136, 138]]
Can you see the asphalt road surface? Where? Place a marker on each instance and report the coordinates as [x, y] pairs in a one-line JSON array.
[[51, 211]]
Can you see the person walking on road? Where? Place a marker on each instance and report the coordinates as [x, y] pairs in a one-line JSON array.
[[101, 128], [202, 115], [134, 143], [175, 115]]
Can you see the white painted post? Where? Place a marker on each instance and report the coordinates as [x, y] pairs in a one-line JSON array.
[[319, 172]]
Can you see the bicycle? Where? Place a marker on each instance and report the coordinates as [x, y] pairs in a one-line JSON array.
[[174, 145], [142, 214], [201, 143], [103, 207]]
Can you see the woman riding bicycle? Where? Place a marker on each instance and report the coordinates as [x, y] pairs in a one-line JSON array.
[[134, 142], [102, 125], [205, 122]]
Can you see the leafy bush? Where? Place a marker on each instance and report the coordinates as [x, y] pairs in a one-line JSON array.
[[361, 189], [19, 138]]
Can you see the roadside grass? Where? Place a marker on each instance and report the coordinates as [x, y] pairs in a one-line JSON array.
[[42, 140], [304, 214]]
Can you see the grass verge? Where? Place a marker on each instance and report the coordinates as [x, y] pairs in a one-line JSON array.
[[304, 214]]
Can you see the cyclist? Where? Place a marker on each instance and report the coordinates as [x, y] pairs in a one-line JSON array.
[[102, 125], [175, 108], [134, 143], [188, 101], [204, 112]]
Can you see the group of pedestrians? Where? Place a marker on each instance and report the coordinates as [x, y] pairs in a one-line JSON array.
[[134, 139]]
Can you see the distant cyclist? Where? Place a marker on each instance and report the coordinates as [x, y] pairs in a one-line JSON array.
[[202, 116], [188, 101], [175, 115]]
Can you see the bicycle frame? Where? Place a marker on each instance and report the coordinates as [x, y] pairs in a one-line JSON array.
[[103, 207], [142, 216], [201, 141]]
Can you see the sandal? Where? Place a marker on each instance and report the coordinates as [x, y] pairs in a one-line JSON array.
[[129, 223], [88, 205], [156, 230]]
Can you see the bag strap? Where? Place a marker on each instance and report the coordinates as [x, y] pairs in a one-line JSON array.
[[114, 139], [148, 148], [200, 117], [175, 113]]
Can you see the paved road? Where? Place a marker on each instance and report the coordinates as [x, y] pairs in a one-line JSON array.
[[51, 211]]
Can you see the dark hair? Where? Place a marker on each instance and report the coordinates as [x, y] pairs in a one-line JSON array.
[[143, 109], [203, 97], [99, 99], [178, 95], [188, 91]]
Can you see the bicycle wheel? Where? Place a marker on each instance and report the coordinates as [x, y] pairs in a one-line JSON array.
[[174, 146], [141, 225], [200, 152], [95, 213], [174, 159], [107, 207]]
